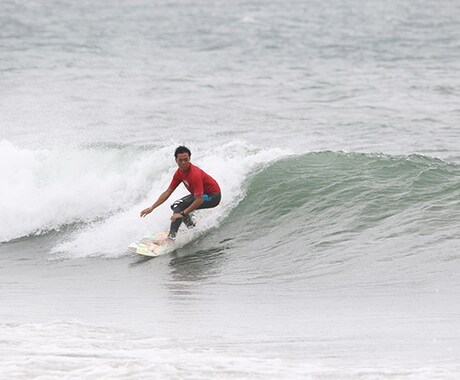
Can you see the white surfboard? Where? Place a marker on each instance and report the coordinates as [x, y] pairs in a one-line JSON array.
[[152, 245]]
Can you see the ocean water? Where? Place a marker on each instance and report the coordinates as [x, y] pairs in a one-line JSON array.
[[333, 129]]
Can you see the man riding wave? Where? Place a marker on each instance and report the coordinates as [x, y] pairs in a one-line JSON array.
[[204, 192]]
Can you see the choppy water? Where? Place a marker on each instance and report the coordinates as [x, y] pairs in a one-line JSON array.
[[334, 131]]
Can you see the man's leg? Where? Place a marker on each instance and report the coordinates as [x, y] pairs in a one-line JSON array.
[[177, 207], [210, 201]]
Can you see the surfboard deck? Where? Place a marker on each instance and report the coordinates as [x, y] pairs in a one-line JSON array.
[[151, 245]]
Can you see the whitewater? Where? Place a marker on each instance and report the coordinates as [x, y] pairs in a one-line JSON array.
[[333, 130]]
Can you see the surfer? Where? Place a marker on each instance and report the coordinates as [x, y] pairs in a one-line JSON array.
[[204, 192]]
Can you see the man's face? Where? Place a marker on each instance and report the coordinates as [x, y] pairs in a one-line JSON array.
[[183, 161]]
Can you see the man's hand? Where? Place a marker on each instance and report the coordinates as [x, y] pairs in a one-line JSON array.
[[146, 211], [175, 216], [165, 195]]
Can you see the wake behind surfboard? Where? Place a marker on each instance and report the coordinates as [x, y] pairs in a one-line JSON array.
[[151, 245]]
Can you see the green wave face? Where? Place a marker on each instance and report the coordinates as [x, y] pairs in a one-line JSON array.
[[332, 187], [325, 213]]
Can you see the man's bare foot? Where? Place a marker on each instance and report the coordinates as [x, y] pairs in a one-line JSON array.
[[167, 241]]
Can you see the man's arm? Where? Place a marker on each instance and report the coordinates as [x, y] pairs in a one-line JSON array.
[[161, 199], [196, 203]]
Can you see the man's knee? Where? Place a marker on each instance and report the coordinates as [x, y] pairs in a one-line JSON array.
[[182, 204], [176, 205]]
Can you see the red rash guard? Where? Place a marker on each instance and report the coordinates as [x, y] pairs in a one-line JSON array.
[[195, 180]]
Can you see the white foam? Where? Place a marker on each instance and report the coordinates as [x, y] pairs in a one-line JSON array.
[[44, 189], [74, 350]]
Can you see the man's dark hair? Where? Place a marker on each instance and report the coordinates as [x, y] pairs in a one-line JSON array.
[[182, 149]]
